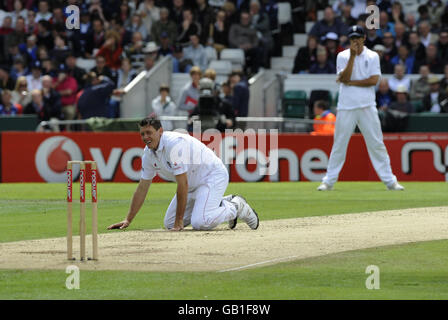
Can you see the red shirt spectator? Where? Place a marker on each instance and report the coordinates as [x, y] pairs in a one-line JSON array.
[[67, 87], [111, 50]]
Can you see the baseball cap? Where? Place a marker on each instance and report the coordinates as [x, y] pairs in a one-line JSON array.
[[379, 47], [62, 68], [355, 31], [36, 65], [401, 89], [331, 36]]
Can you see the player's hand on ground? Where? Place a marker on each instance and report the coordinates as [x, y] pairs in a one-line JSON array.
[[178, 226], [120, 225]]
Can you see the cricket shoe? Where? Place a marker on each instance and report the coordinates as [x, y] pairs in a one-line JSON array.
[[232, 223], [245, 212], [324, 187], [396, 186]]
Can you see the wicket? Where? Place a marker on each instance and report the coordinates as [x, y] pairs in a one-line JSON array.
[[82, 220]]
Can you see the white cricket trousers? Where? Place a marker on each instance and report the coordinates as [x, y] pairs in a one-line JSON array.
[[370, 127], [206, 207]]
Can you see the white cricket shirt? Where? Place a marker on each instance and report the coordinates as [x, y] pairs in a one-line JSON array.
[[366, 65], [176, 154]]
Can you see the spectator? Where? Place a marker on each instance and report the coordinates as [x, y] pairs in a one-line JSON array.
[[323, 113], [74, 71], [346, 14], [6, 27], [35, 78], [220, 31], [244, 37], [420, 87], [48, 68], [435, 11], [21, 94], [7, 107], [44, 12], [396, 14], [196, 52], [389, 44], [125, 75], [180, 63], [67, 87], [29, 49], [125, 36], [404, 58], [416, 49], [164, 25], [205, 17], [19, 68], [94, 100], [151, 49], [226, 93], [240, 94], [52, 98], [426, 37], [44, 36], [134, 51], [322, 64], [384, 96], [444, 81], [372, 39], [399, 78], [305, 56], [31, 24], [149, 13], [410, 22], [442, 45], [162, 105], [402, 104], [41, 108], [58, 19], [111, 50], [435, 65], [102, 70], [165, 45], [19, 12], [176, 13], [385, 25], [386, 66], [328, 24], [436, 100], [189, 95], [260, 22], [232, 15], [401, 37], [16, 37], [60, 51], [331, 43], [95, 39], [188, 27], [125, 13], [148, 62], [137, 25]]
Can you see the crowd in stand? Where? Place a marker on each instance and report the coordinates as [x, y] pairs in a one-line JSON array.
[[39, 54], [406, 43]]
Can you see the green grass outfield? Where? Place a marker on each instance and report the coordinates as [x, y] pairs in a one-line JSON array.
[[413, 271]]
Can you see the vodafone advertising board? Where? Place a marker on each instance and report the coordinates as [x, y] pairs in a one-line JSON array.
[[42, 157]]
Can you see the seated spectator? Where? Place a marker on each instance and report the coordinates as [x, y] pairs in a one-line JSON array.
[[435, 12], [433, 62], [138, 26], [442, 45], [436, 100], [305, 56], [323, 113], [51, 97], [60, 51], [19, 68], [164, 25], [260, 22], [31, 24], [401, 103], [18, 36], [176, 13], [125, 75], [35, 78], [399, 78], [404, 58], [49, 68], [102, 70], [384, 96], [29, 49], [322, 64], [240, 94], [180, 63], [18, 13], [149, 13], [21, 95], [401, 36], [44, 11], [372, 38], [162, 105], [396, 13], [385, 25], [94, 100], [7, 107], [42, 108], [205, 17], [134, 50], [444, 81], [67, 87], [220, 31], [420, 87], [244, 37], [189, 95], [386, 66], [426, 37], [416, 49], [6, 82], [125, 13], [6, 27], [44, 36], [95, 38], [329, 23], [410, 22], [165, 46], [75, 71], [346, 15], [389, 44], [111, 50], [331, 42], [196, 52], [188, 27]]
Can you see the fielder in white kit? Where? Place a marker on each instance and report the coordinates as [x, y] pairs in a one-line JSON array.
[[201, 180], [358, 70]]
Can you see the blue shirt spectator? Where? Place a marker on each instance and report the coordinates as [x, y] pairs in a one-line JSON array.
[[328, 24]]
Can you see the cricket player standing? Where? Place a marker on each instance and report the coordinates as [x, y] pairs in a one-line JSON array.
[[201, 180], [358, 70]]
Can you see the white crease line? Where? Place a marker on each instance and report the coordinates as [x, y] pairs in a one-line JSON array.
[[258, 263]]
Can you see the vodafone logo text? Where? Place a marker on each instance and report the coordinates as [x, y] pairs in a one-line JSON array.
[[52, 156]]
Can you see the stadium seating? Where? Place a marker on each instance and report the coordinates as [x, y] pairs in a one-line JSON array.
[[295, 104], [222, 67], [284, 13], [235, 56]]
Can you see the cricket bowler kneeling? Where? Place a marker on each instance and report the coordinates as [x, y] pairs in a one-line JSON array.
[[201, 179]]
